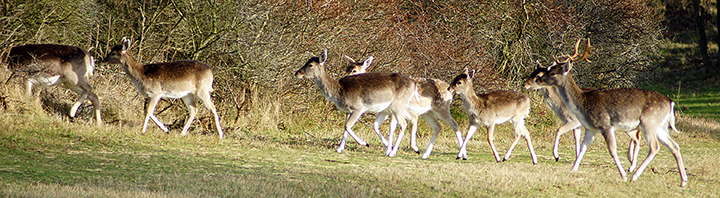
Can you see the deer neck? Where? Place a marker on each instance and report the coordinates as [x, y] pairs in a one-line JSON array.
[[571, 94], [553, 99], [470, 101], [134, 71], [329, 87]]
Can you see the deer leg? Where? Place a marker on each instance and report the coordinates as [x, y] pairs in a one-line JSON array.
[[354, 116], [85, 91], [381, 117], [413, 134], [654, 147], [612, 148], [77, 104], [150, 110], [675, 150], [207, 101], [633, 149], [577, 132], [512, 146], [391, 134], [192, 111], [403, 126], [587, 141], [463, 148], [562, 130], [526, 134], [436, 127], [446, 117], [490, 139], [96, 105]]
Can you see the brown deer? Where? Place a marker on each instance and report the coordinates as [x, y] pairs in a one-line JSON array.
[[553, 100], [50, 64], [433, 104], [492, 108], [605, 111], [189, 80], [357, 94]]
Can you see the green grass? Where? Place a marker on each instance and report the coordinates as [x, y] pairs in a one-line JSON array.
[[43, 155], [703, 103]]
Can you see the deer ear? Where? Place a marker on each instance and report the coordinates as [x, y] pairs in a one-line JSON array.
[[126, 43], [310, 55], [367, 62], [323, 57], [465, 71], [471, 75]]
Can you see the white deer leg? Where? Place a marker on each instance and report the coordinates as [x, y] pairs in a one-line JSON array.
[[436, 127], [633, 149], [354, 116], [587, 141], [207, 101], [674, 149], [77, 104], [150, 111], [562, 130], [192, 111], [463, 148], [403, 127], [381, 117], [446, 117], [491, 139], [612, 148]]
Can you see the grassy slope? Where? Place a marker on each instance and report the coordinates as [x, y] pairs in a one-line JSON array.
[[43, 155]]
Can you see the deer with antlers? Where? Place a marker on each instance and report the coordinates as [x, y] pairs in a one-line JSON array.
[[606, 111], [569, 120]]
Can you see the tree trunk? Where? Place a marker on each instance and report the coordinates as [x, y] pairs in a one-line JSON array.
[[717, 25], [701, 33]]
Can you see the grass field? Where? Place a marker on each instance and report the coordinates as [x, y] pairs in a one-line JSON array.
[[44, 155]]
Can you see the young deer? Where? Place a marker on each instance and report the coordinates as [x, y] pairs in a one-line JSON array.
[[605, 111], [49, 65], [374, 92], [189, 80], [492, 108], [553, 100], [433, 104]]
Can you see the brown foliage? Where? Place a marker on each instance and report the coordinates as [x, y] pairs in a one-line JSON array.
[[255, 46]]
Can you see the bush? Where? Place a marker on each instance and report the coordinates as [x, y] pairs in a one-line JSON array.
[[255, 46]]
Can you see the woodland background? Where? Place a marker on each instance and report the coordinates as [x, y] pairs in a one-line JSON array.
[[254, 47]]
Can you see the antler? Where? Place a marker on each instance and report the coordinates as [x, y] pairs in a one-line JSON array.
[[584, 55], [574, 57]]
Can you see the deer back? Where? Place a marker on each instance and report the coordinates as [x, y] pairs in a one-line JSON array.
[[51, 59], [376, 88]]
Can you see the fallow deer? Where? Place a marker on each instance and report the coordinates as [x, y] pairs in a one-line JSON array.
[[189, 80], [605, 111], [50, 64], [553, 100], [357, 94], [433, 104], [492, 108]]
